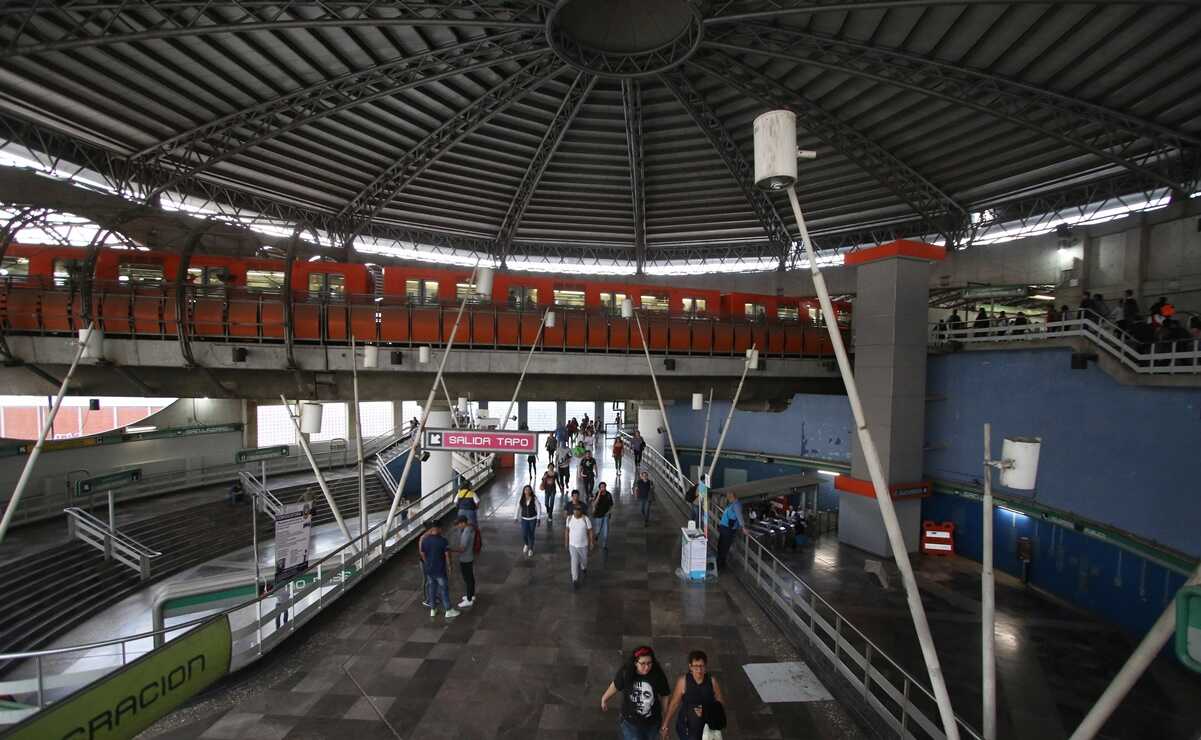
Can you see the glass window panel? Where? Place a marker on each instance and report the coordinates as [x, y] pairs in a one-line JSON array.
[[274, 427], [422, 292], [328, 283], [333, 423], [66, 270], [140, 274], [696, 305], [410, 410], [611, 412], [522, 297], [14, 267], [612, 301], [787, 313], [496, 410], [654, 302], [467, 290], [541, 416], [376, 418], [264, 279], [569, 298], [754, 310]]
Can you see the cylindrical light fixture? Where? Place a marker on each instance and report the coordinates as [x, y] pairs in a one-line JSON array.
[[462, 404], [310, 417], [423, 354], [93, 341], [752, 359], [775, 150], [698, 401], [483, 282], [627, 308], [370, 355], [1022, 455], [550, 319]]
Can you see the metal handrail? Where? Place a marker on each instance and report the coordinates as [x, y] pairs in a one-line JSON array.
[[271, 503], [1100, 331], [85, 519], [361, 554], [780, 574]]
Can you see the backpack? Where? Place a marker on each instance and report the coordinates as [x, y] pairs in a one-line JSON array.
[[477, 542]]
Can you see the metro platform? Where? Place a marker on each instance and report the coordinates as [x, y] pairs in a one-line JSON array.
[[529, 660]]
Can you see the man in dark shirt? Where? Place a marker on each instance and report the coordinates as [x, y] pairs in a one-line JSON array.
[[435, 557], [588, 474], [600, 514], [643, 490]]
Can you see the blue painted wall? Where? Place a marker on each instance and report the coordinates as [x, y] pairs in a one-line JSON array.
[[816, 426], [1118, 586], [1127, 456]]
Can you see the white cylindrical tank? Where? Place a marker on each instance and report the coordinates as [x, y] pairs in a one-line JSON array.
[[1023, 451], [698, 401], [462, 403], [483, 282], [370, 355], [775, 150], [93, 341], [627, 308], [310, 417], [550, 319], [752, 358], [423, 354]]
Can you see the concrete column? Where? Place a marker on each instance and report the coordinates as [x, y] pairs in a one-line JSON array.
[[891, 306], [250, 423], [560, 413], [649, 421], [523, 415], [437, 469], [398, 418]]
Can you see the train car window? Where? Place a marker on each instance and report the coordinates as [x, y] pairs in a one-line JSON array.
[[655, 303], [264, 280], [754, 311], [422, 292], [140, 274], [208, 277], [696, 305], [787, 313], [815, 316], [612, 301], [14, 267], [569, 298], [67, 271], [327, 283], [467, 290], [522, 297]]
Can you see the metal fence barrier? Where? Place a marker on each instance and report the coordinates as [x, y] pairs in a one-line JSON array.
[[895, 700], [257, 626]]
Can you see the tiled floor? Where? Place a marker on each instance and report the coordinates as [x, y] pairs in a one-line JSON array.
[[529, 660]]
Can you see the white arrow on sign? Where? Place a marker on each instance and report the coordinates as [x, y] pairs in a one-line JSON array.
[[435, 439]]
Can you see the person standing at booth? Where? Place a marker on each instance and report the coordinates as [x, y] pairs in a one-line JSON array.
[[731, 524]]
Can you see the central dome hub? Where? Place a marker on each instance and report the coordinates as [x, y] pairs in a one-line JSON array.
[[624, 38]]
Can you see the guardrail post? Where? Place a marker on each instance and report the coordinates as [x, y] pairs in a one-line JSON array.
[[144, 562], [108, 544], [904, 708], [867, 671], [41, 684]]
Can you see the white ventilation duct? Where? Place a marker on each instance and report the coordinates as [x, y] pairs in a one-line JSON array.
[[370, 355], [310, 417], [423, 355], [93, 343], [483, 282], [1022, 452]]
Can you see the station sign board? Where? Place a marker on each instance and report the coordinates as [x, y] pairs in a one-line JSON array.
[[255, 454], [106, 482], [479, 440]]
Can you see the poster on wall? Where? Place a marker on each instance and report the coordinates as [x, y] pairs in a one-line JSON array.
[[293, 528]]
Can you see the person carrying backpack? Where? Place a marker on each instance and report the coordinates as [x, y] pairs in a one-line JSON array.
[[468, 504], [549, 487], [467, 547], [643, 490], [551, 445]]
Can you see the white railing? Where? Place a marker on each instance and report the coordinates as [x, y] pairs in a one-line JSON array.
[[1147, 357], [384, 474], [84, 527], [900, 702], [257, 626], [264, 498]]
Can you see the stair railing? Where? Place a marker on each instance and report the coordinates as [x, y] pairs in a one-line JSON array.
[[116, 546]]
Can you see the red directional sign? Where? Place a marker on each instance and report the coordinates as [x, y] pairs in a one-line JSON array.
[[480, 440]]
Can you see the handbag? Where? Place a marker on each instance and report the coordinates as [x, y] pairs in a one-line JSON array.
[[709, 734]]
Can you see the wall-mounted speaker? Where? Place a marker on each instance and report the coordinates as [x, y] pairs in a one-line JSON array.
[[398, 357], [93, 404], [240, 354], [669, 364]]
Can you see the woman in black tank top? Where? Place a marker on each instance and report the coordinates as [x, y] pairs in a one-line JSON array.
[[694, 695]]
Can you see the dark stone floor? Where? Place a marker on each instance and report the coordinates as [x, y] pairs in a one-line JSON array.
[[529, 660]]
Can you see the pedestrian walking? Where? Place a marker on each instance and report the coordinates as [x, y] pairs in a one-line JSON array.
[[468, 504], [573, 503], [579, 539], [587, 472], [549, 487], [531, 461], [698, 698], [435, 559], [601, 508], [529, 513], [468, 534], [563, 466], [552, 443], [644, 691], [618, 447], [637, 444], [728, 527], [643, 490]]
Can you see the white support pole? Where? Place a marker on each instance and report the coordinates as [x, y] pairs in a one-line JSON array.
[[526, 366], [704, 500], [358, 439], [883, 498], [662, 410], [425, 415], [454, 417], [308, 453], [27, 471], [725, 427], [988, 602], [1136, 664]]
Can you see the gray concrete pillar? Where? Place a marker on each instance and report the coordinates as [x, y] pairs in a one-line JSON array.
[[436, 470], [560, 413], [523, 415], [891, 306]]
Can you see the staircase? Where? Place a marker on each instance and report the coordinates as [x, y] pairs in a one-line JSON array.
[[54, 590]]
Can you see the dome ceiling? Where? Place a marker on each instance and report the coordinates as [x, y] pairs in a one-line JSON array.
[[610, 129]]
